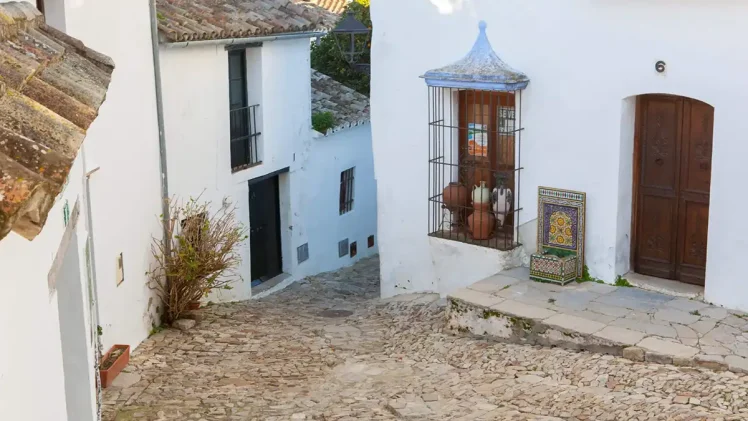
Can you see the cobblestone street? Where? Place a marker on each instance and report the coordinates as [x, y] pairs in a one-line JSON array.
[[327, 348]]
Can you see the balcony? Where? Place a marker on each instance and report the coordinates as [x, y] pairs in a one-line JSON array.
[[244, 136]]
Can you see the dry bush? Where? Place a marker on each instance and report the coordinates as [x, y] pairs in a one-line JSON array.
[[202, 256]]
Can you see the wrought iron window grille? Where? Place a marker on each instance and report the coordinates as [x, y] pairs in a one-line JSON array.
[[474, 166], [346, 190], [244, 138]]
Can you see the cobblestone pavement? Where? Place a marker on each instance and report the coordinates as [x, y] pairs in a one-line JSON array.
[[295, 355]]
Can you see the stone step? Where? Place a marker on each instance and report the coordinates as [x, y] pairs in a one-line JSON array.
[[625, 322]]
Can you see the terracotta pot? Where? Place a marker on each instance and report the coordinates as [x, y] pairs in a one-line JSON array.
[[455, 196], [108, 375], [481, 222], [193, 305]]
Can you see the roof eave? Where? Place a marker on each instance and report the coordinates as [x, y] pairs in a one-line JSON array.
[[246, 40], [478, 85]]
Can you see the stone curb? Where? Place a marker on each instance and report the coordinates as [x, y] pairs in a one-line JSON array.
[[468, 318]]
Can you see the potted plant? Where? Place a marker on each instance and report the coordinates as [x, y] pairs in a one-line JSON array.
[[112, 364]]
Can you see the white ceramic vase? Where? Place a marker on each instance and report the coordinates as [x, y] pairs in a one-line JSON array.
[[481, 194], [502, 204]]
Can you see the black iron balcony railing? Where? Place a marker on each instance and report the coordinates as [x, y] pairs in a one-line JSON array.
[[244, 135]]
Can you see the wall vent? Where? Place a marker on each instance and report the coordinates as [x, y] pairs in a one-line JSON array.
[[302, 253], [343, 248]]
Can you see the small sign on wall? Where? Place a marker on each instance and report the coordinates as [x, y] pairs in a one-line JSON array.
[[477, 140], [66, 213], [70, 223], [120, 269]]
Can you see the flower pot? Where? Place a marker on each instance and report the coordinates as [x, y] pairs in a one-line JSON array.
[[481, 222], [454, 196], [193, 305], [112, 364], [549, 268]]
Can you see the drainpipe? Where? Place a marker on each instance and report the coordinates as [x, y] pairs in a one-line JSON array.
[[251, 40], [91, 259], [161, 133]]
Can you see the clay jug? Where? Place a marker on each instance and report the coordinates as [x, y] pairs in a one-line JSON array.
[[481, 194], [454, 196], [481, 222]]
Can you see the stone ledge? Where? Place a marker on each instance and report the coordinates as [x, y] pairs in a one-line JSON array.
[[520, 323]]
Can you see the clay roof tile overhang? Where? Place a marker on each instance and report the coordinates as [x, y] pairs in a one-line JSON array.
[[348, 107], [209, 20], [51, 88]]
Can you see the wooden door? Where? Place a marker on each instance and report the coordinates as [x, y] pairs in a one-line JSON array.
[[673, 173], [264, 232]]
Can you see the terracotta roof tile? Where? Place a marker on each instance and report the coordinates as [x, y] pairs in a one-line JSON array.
[[335, 6], [348, 107], [190, 20], [51, 88]]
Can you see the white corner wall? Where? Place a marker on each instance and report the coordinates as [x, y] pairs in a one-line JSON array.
[[123, 144], [572, 114], [31, 362]]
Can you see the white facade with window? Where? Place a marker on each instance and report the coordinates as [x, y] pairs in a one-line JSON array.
[[198, 105], [587, 66]]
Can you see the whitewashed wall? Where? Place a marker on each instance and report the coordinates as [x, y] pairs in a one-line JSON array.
[[30, 350], [321, 224], [579, 96], [197, 127], [123, 144]]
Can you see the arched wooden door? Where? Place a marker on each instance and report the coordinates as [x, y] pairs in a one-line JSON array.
[[672, 178]]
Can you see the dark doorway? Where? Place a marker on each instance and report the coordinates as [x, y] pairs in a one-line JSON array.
[[672, 178], [264, 232]]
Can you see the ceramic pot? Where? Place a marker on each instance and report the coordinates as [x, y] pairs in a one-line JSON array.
[[481, 194], [454, 196], [481, 222], [195, 305], [502, 204]]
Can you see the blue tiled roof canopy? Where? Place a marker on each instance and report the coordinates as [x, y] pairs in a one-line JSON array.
[[481, 69]]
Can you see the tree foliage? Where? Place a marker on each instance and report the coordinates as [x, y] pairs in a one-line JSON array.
[[326, 56]]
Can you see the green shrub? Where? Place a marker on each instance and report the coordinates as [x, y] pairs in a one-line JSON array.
[[322, 122]]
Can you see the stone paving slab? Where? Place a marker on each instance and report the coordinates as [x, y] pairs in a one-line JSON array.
[[604, 318]]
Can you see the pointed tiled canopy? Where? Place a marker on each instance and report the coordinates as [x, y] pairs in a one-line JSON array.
[[481, 69]]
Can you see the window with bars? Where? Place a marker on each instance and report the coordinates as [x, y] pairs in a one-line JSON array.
[[474, 166], [243, 117], [346, 190]]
